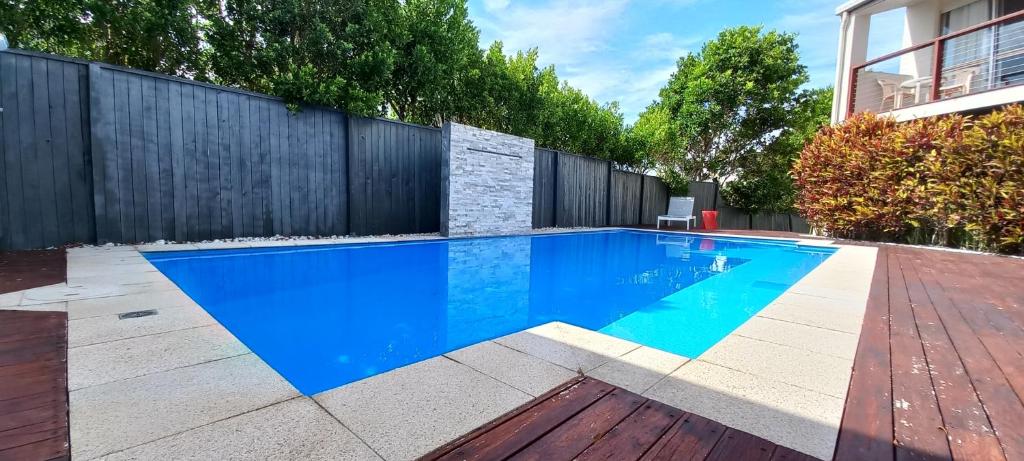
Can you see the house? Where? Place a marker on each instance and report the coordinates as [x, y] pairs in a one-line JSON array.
[[974, 49]]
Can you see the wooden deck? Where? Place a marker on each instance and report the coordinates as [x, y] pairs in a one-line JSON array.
[[21, 270], [589, 419], [939, 372], [33, 386]]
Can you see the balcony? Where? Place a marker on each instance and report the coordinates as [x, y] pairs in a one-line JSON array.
[[971, 66]]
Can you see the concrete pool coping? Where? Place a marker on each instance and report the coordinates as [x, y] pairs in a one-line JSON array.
[[178, 382]]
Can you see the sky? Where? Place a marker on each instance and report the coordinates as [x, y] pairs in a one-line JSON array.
[[625, 50]]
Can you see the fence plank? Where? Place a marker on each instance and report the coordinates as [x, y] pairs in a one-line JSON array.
[[5, 219], [190, 122], [655, 200], [60, 166], [625, 198], [40, 172], [11, 233], [544, 172], [151, 157], [176, 150], [581, 191], [80, 151]]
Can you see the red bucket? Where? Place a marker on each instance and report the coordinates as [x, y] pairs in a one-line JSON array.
[[710, 219]]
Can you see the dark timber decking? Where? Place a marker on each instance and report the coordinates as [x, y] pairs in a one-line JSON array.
[[21, 270], [33, 386], [939, 372], [592, 420]]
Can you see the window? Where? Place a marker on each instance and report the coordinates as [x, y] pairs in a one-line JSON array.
[[970, 49], [966, 16], [1010, 6]]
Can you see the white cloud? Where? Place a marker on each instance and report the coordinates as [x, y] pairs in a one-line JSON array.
[[597, 48], [496, 5], [664, 46], [584, 41], [564, 31]]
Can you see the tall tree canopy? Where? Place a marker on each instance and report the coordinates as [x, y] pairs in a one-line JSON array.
[[437, 59], [764, 183], [420, 61], [415, 60], [331, 53], [159, 35], [729, 101]]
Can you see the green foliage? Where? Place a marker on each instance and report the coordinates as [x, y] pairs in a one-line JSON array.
[[522, 99], [330, 53], [573, 122], [416, 60], [729, 101], [651, 138], [510, 91], [676, 182], [982, 181], [764, 183], [437, 62], [947, 180], [158, 35]]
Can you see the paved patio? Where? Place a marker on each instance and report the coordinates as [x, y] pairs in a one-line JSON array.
[[782, 376]]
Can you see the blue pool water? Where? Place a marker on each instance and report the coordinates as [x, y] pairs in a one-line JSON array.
[[324, 316]]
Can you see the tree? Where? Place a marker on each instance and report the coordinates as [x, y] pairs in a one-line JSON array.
[[331, 53], [156, 35], [416, 60], [651, 138], [572, 121], [764, 184], [437, 62], [509, 92], [728, 102]]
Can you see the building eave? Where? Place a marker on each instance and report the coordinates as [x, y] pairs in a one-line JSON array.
[[851, 5]]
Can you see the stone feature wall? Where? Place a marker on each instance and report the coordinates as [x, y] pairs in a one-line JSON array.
[[486, 182]]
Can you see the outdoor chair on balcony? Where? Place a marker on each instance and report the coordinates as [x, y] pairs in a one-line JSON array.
[[892, 93], [679, 209], [958, 82]]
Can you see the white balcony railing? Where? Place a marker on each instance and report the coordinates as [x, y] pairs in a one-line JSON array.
[[980, 58]]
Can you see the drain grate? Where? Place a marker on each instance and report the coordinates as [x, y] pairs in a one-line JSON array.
[[136, 314]]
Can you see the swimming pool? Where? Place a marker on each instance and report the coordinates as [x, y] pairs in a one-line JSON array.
[[324, 316]]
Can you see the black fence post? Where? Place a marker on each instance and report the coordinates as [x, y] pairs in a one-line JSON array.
[[640, 213], [554, 195], [608, 197]]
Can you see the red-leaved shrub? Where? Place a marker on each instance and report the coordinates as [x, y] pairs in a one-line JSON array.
[[949, 180]]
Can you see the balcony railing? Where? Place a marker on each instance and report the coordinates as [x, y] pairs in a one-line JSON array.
[[980, 58]]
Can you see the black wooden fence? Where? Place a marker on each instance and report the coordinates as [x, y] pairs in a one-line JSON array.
[[45, 167], [96, 153], [708, 197], [176, 159], [574, 191]]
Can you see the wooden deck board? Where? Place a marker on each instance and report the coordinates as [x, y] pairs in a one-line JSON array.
[[956, 364], [33, 385], [21, 270], [593, 420]]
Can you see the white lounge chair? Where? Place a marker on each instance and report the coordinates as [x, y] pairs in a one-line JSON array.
[[679, 209]]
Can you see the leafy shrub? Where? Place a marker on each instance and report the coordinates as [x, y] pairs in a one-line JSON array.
[[993, 208], [950, 180]]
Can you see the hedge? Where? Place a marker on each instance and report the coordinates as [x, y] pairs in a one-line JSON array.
[[951, 180]]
